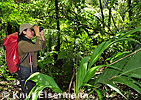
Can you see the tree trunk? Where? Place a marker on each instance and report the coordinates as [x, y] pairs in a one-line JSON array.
[[114, 23], [101, 8], [9, 29], [58, 28], [130, 10], [109, 20]]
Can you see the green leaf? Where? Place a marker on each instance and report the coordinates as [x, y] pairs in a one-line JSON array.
[[125, 39], [30, 93], [89, 85], [81, 73], [36, 92], [62, 54], [109, 73], [99, 94], [45, 81], [112, 86], [126, 81], [136, 82], [131, 73], [97, 52], [91, 72], [133, 66], [130, 32]]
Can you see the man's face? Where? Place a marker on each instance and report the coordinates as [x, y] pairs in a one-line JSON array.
[[29, 33]]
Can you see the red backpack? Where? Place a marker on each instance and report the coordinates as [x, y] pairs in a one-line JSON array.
[[10, 44]]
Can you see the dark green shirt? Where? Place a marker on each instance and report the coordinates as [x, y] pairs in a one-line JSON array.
[[24, 47]]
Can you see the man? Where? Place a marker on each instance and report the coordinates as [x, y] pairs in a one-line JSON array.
[[29, 48]]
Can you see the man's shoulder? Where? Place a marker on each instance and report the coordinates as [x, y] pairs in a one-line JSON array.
[[22, 42]]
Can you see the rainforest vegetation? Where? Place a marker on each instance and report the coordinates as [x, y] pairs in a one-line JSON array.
[[92, 47]]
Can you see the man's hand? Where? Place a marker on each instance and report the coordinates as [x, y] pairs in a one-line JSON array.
[[36, 29], [42, 35]]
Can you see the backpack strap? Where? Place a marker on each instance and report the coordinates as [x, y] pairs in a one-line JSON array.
[[21, 60], [31, 63]]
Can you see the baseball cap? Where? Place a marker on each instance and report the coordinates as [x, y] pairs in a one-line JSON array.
[[24, 26]]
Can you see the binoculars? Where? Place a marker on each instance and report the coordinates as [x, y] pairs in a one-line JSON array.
[[40, 28]]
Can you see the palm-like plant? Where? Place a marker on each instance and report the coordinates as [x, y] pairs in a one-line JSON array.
[[121, 72]]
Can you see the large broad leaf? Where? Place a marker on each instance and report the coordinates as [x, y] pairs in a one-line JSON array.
[[109, 73], [45, 81], [100, 48], [81, 73], [130, 67], [133, 66], [126, 81], [97, 52]]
